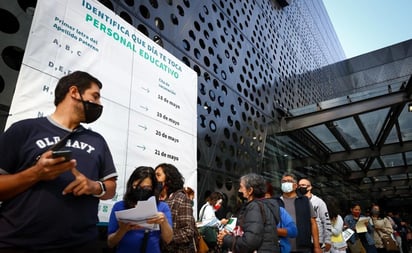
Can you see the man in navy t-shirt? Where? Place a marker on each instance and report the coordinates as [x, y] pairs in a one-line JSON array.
[[50, 202]]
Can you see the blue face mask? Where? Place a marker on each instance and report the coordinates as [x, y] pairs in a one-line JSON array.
[[287, 187]]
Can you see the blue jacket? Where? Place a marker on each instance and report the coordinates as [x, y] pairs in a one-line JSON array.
[[286, 221], [303, 221]]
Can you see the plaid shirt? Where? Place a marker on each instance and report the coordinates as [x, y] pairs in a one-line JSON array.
[[184, 226]]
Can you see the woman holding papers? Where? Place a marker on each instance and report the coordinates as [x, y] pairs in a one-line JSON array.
[[129, 236], [184, 227], [362, 239], [208, 222]]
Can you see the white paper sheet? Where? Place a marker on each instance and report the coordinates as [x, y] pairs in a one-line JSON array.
[[361, 225], [138, 215]]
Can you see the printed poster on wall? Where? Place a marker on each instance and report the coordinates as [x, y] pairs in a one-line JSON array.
[[149, 96]]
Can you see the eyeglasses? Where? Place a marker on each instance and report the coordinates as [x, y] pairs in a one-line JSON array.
[[304, 185]]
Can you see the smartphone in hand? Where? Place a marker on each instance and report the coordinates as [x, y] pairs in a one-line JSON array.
[[67, 154]]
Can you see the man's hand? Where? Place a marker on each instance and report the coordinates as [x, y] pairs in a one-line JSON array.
[[81, 185], [48, 168]]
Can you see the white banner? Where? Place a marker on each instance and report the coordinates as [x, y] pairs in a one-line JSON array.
[[149, 96]]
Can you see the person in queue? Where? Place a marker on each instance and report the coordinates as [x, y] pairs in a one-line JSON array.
[[37, 188], [286, 227], [301, 210], [130, 237], [184, 226], [322, 214], [360, 241], [255, 229], [208, 222]]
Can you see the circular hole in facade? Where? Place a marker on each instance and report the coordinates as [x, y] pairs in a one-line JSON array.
[[144, 11], [186, 45], [192, 35], [186, 61], [202, 43], [206, 34], [226, 132], [186, 3], [158, 40], [244, 116], [125, 16], [223, 75], [206, 61], [229, 121], [208, 140], [228, 164], [143, 29], [159, 23], [196, 53], [154, 3], [228, 183], [8, 22], [218, 162], [206, 76], [174, 19], [12, 56], [219, 181], [197, 70], [197, 26], [231, 150], [224, 90], [234, 137], [2, 84], [233, 109], [202, 121], [205, 9], [222, 146], [201, 17], [221, 101], [212, 126], [180, 10], [26, 4], [129, 2], [237, 125], [202, 89], [212, 95]]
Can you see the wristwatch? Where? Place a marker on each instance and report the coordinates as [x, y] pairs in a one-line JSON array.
[[102, 187]]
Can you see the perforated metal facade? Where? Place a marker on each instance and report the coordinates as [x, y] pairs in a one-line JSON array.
[[252, 57]]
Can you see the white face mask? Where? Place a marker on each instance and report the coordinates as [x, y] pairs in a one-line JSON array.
[[287, 187]]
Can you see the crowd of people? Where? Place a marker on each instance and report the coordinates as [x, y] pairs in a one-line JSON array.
[[49, 199]]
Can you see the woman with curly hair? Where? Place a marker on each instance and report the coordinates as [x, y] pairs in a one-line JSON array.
[[184, 227]]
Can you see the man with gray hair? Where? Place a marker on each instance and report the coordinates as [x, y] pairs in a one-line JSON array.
[[301, 210]]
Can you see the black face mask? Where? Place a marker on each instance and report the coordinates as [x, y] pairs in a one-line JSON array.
[[240, 195], [142, 194], [303, 190], [92, 111], [159, 186]]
